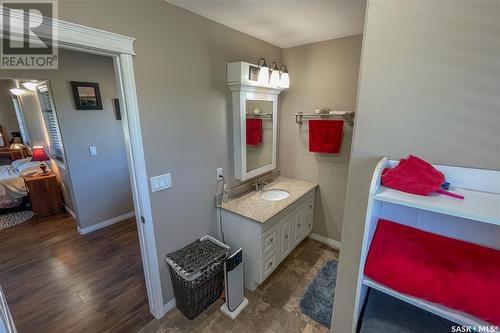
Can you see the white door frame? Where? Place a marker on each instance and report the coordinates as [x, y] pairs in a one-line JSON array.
[[90, 40]]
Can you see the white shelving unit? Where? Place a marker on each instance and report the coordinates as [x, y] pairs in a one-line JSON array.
[[474, 219]]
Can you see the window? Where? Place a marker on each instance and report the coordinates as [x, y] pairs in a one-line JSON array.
[[20, 120], [49, 117]]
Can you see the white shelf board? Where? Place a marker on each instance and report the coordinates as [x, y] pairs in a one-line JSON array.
[[458, 317], [478, 206]]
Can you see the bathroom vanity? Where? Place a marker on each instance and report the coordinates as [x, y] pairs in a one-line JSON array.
[[268, 225]]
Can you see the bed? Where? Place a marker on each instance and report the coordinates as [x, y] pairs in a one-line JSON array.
[[12, 187]]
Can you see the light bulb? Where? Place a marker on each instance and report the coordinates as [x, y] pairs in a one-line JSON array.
[[284, 81], [17, 91], [275, 77], [30, 85], [263, 75]]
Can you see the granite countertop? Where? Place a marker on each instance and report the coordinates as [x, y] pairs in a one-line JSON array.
[[250, 205]]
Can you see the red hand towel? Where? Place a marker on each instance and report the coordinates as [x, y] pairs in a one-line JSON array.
[[325, 136], [254, 131]]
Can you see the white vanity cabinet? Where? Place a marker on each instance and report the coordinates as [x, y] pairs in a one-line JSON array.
[[266, 244]]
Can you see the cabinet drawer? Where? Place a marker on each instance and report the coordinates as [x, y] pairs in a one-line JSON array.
[[268, 265], [298, 222], [268, 241], [308, 226], [309, 207]]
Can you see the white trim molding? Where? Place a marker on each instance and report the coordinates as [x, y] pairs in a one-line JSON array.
[[70, 212], [103, 224], [73, 36], [170, 305], [327, 241]]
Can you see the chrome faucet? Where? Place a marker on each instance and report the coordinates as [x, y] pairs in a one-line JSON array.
[[259, 185]]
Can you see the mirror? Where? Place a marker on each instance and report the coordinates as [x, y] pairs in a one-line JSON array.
[[259, 134]]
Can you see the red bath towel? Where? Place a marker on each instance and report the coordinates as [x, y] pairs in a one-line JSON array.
[[325, 136], [254, 131], [457, 274]]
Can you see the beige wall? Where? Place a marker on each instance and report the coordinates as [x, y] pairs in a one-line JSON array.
[[185, 106], [98, 186], [321, 74], [7, 113], [429, 85]]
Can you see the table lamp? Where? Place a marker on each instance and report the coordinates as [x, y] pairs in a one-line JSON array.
[[39, 155]]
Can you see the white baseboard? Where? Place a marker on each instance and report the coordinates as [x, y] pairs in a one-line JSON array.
[[168, 306], [70, 212], [325, 240], [103, 224]]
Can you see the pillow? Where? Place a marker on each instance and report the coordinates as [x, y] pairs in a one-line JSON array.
[[29, 168], [17, 163]]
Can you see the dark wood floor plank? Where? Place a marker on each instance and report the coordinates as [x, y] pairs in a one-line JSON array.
[[56, 280]]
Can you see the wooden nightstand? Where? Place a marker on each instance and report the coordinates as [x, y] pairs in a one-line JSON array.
[[45, 194]]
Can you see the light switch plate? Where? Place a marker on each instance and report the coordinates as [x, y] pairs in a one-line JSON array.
[[219, 173], [161, 182], [92, 151]]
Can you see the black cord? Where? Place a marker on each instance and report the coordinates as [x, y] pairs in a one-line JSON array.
[[220, 209]]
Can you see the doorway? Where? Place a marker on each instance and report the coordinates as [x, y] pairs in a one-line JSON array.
[[120, 49]]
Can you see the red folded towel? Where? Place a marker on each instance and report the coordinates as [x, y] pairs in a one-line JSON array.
[[325, 136], [451, 272], [254, 131]]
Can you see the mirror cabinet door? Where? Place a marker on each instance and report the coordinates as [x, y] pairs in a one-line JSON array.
[[259, 134]]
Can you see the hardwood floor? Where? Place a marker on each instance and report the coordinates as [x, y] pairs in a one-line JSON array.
[[58, 281]]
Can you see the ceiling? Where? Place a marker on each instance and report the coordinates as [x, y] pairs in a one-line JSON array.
[[284, 23]]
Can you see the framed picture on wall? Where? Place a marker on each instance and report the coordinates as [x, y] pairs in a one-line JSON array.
[[87, 95]]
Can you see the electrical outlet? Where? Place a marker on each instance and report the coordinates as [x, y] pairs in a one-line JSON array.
[[92, 150], [219, 173]]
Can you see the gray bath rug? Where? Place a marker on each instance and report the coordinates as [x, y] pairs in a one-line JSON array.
[[317, 302], [12, 219]]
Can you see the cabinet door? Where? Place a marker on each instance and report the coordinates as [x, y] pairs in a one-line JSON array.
[[268, 241], [285, 236], [298, 220]]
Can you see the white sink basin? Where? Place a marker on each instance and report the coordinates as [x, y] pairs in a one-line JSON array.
[[274, 195]]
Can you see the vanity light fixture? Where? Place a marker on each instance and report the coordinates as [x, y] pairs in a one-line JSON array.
[[275, 74], [263, 76], [284, 79], [30, 85], [17, 91]]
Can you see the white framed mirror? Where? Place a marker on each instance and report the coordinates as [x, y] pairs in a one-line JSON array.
[[255, 123]]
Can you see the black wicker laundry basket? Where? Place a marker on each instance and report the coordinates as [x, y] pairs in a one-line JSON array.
[[197, 274]]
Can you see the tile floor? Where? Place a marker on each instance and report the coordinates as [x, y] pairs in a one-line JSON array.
[[274, 306]]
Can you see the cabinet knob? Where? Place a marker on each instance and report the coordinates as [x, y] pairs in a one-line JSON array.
[[271, 240], [298, 224], [286, 236], [270, 263], [310, 206]]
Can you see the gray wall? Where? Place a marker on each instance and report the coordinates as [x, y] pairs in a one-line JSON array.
[[185, 106], [7, 113], [321, 74], [99, 185], [429, 85]]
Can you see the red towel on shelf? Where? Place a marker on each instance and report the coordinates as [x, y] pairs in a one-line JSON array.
[[413, 175], [254, 131], [457, 274], [325, 136]]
